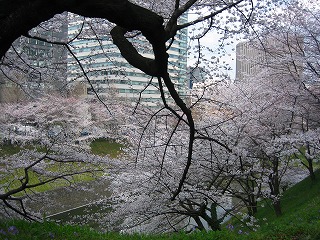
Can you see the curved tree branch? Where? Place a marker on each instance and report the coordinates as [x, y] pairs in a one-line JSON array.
[[129, 52]]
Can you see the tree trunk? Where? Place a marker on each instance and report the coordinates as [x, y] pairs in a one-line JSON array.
[[311, 171], [277, 208], [212, 221], [199, 223], [252, 208], [274, 184], [215, 222], [312, 175], [18, 17]]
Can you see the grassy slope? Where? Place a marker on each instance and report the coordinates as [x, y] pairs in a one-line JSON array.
[[301, 213], [300, 220]]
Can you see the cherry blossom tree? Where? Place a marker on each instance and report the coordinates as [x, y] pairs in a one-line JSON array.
[[144, 180], [261, 118], [156, 25], [290, 49], [184, 158]]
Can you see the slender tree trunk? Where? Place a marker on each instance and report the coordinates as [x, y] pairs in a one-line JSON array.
[[215, 222], [274, 184], [252, 207], [252, 197], [199, 223], [312, 175], [277, 207], [311, 170], [310, 164]]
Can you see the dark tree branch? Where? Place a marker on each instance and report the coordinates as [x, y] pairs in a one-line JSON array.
[[129, 52], [208, 16]]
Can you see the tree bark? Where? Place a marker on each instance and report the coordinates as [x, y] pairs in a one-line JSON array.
[[274, 184], [22, 16], [310, 165], [277, 207]]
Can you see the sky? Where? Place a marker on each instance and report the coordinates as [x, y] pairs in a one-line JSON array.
[[211, 40]]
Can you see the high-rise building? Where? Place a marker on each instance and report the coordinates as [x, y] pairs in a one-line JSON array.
[[108, 72], [281, 54], [248, 59], [40, 65], [196, 75], [50, 59]]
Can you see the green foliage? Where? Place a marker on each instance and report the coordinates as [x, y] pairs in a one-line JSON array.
[[298, 197], [46, 230], [301, 213], [300, 218], [35, 178], [302, 156], [19, 229]]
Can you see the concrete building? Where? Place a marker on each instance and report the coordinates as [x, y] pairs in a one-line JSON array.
[[281, 54], [248, 60], [111, 75]]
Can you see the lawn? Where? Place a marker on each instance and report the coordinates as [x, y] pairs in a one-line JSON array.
[[8, 149], [103, 147], [300, 217]]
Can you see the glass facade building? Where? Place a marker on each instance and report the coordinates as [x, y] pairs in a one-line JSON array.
[[103, 71], [34, 66]]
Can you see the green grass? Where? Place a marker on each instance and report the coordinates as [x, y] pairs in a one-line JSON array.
[[300, 217], [8, 150], [301, 212], [300, 221], [49, 230], [298, 197], [103, 147]]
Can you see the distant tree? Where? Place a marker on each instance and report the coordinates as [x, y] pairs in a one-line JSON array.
[[289, 47]]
